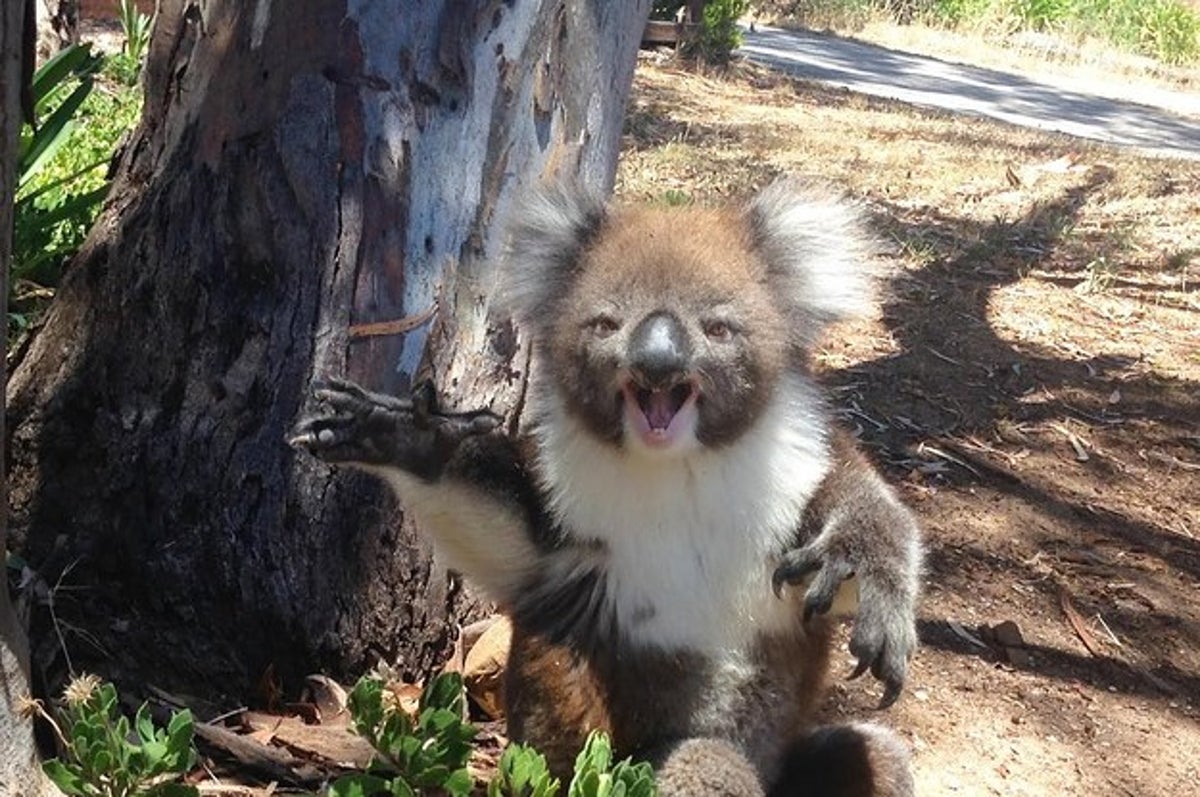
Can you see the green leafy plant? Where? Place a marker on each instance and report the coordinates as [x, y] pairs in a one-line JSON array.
[[428, 752], [597, 776], [720, 34], [136, 27], [523, 773], [1042, 14], [106, 756], [1169, 31], [53, 210], [61, 180]]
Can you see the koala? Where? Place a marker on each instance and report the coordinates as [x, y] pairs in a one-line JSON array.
[[679, 523]]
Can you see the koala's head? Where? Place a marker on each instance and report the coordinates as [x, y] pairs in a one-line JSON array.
[[667, 329]]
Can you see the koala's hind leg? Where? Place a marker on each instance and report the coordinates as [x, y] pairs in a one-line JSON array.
[[704, 768], [860, 760]]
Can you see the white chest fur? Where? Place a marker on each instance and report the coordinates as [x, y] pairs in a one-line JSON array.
[[692, 540]]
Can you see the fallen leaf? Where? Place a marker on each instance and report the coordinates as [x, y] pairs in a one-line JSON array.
[[328, 696], [483, 673]]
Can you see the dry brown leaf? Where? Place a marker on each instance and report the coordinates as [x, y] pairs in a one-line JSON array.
[[484, 670], [329, 697]]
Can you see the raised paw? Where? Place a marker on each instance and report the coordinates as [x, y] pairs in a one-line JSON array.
[[884, 635], [355, 426]]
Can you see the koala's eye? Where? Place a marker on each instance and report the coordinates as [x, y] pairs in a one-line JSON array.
[[719, 331], [603, 326]]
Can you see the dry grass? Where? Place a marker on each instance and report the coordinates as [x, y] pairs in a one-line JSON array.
[[1090, 61], [944, 188], [992, 42]]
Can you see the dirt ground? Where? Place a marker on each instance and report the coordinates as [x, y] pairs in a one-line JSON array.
[[1033, 384]]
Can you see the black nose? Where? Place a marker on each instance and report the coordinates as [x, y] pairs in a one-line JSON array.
[[659, 351]]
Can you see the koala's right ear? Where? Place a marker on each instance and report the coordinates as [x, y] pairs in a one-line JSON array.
[[547, 234]]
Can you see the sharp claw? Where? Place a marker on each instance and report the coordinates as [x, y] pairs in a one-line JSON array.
[[777, 582], [792, 571], [891, 693]]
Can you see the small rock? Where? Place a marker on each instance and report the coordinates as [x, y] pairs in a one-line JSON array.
[[1008, 634]]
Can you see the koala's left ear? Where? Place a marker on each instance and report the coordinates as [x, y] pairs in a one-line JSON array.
[[547, 234], [817, 251]]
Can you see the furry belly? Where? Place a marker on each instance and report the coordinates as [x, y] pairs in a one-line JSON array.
[[673, 596]]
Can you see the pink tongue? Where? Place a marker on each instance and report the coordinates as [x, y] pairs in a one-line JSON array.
[[658, 409]]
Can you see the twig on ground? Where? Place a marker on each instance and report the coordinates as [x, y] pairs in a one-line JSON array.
[[1081, 453], [924, 448], [1077, 624]]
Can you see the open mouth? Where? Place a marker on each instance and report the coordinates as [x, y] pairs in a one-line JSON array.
[[660, 416]]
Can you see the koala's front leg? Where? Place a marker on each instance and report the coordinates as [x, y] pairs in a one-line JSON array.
[[861, 531], [462, 479], [357, 427]]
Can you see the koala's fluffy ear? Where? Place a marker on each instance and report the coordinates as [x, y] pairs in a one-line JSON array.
[[818, 254], [547, 235]]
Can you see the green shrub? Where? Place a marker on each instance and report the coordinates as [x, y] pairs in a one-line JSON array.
[[55, 199], [105, 756], [597, 776], [1042, 14], [957, 12], [61, 168], [136, 27], [429, 752], [523, 772], [1169, 31], [719, 34]]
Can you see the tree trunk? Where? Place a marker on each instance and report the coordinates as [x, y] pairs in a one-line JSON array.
[[57, 26], [303, 170], [19, 769]]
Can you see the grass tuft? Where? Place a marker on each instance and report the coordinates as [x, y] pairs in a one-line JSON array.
[[1167, 30]]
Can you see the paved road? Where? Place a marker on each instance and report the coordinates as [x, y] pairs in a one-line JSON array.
[[920, 80]]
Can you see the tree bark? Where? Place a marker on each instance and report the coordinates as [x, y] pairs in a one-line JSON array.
[[303, 170], [57, 26], [20, 773]]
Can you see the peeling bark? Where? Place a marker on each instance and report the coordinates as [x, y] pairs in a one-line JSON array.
[[57, 26], [302, 169]]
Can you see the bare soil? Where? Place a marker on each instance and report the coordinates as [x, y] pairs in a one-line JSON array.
[[1032, 384]]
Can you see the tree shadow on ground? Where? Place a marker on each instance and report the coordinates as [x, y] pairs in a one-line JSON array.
[[954, 386]]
